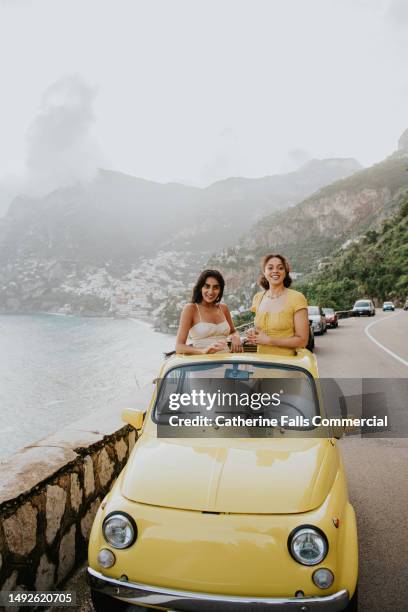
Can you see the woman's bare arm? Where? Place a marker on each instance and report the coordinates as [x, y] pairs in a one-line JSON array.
[[236, 344], [227, 315], [186, 323]]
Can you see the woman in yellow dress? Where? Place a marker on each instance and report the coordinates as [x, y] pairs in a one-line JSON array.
[[281, 319]]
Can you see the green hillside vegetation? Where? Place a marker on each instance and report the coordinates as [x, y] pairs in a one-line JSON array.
[[376, 268]]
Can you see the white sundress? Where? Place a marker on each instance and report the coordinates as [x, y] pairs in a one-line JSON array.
[[203, 334]]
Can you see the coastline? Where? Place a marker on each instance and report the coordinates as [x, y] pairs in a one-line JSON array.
[[58, 369]]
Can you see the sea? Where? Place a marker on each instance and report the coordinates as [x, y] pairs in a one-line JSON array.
[[55, 370]]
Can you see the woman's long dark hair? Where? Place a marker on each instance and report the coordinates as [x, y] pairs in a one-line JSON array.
[[262, 281], [197, 296]]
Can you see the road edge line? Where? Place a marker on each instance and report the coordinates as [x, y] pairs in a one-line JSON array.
[[384, 348]]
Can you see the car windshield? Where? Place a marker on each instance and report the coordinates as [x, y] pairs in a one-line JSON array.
[[362, 304], [329, 311], [246, 389], [313, 310]]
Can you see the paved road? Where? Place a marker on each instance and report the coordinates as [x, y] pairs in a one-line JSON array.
[[349, 352], [377, 468]]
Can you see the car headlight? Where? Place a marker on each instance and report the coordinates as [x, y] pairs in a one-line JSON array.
[[119, 530], [308, 545]]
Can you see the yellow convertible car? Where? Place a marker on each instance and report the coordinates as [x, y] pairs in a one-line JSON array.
[[234, 496]]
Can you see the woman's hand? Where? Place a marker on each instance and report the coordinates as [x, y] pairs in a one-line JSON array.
[[236, 344], [258, 337], [220, 345]]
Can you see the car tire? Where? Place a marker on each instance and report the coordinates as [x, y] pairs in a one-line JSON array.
[[310, 343], [104, 603], [353, 604]]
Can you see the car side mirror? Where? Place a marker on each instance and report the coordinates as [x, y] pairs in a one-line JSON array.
[[134, 418], [338, 431], [350, 428]]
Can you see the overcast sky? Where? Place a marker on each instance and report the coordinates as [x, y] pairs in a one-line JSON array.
[[197, 90]]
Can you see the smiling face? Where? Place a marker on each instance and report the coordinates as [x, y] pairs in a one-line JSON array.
[[210, 290], [275, 272]]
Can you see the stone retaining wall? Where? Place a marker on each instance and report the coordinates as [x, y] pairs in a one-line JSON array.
[[49, 494]]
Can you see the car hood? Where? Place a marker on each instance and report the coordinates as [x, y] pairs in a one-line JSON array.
[[315, 317], [245, 476]]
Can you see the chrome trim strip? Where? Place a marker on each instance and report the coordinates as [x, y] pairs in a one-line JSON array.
[[189, 601]]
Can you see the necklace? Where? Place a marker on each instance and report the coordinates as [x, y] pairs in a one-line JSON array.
[[274, 297]]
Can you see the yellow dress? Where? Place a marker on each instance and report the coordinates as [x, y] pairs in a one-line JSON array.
[[278, 324]]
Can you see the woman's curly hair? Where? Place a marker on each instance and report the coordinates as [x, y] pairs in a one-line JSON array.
[[262, 280]]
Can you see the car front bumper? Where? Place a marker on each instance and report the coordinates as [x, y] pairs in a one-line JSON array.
[[145, 595]]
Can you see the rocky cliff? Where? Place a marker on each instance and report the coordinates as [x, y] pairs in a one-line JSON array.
[[317, 228]]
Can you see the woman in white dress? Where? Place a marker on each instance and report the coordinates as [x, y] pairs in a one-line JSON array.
[[205, 321]]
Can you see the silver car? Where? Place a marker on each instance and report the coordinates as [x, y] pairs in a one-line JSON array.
[[364, 308], [317, 319]]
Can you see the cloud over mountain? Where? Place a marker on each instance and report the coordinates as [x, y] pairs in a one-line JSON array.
[[61, 148]]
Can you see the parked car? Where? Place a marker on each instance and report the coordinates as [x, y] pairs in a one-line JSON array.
[[364, 307], [228, 523], [388, 306], [332, 319], [318, 319]]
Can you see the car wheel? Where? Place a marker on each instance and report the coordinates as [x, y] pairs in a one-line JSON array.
[[310, 342], [353, 604]]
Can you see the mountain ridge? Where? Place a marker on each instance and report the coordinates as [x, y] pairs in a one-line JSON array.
[[316, 228], [107, 228]]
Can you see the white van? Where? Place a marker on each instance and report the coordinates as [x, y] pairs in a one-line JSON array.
[[364, 307]]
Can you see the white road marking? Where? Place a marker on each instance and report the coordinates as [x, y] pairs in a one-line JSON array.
[[384, 348]]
